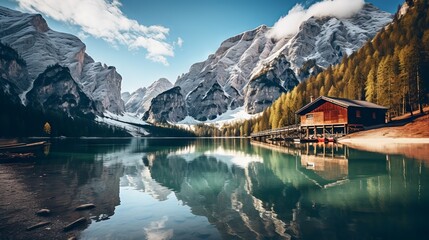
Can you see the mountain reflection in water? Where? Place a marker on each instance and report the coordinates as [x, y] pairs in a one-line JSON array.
[[216, 188]]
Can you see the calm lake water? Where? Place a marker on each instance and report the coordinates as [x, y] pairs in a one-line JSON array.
[[215, 189]]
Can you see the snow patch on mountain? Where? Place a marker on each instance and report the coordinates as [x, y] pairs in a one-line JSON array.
[[127, 121]]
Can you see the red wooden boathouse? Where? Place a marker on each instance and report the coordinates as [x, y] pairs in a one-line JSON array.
[[329, 115]]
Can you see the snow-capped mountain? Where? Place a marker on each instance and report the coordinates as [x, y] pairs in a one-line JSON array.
[[41, 47], [139, 101], [253, 68]]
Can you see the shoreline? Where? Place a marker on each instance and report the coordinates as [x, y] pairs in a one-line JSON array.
[[382, 140], [418, 149]]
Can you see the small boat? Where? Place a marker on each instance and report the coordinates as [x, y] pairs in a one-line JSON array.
[[326, 139], [22, 147]]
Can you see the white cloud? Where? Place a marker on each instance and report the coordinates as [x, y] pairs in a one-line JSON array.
[[82, 35], [289, 25], [157, 50], [104, 19], [179, 42]]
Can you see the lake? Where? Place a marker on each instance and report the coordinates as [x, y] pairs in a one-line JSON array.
[[215, 189]]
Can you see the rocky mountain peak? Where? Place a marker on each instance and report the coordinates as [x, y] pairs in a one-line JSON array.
[[55, 89], [162, 81], [125, 96], [41, 47], [168, 106], [140, 100], [39, 23]]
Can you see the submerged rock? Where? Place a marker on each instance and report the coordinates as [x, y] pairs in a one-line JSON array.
[[43, 212], [85, 207], [79, 222], [38, 225]]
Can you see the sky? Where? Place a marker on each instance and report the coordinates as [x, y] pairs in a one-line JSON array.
[[146, 40]]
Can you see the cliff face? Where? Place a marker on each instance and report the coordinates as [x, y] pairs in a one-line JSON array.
[[13, 73], [40, 47], [56, 90], [168, 106]]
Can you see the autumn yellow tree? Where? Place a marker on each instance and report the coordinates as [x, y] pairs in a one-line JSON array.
[[47, 128]]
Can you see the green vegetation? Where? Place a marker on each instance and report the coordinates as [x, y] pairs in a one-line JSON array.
[[391, 70]]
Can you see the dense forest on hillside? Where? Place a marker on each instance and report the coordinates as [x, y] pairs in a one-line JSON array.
[[17, 120], [392, 70]]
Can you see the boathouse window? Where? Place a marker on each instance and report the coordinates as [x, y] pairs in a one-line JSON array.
[[374, 116], [309, 116], [358, 113]]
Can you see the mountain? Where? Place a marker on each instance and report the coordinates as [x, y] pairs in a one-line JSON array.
[[139, 101], [253, 69], [41, 47], [56, 90], [168, 106]]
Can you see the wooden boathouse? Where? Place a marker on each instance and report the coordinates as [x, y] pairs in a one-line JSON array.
[[339, 116], [328, 116]]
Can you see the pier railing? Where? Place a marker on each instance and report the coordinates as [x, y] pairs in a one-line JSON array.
[[290, 128]]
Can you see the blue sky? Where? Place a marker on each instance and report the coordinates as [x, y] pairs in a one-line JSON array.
[[167, 36]]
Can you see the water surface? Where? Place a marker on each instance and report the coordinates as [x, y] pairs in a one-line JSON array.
[[215, 189]]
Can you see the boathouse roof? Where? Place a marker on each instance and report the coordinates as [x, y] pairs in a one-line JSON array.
[[343, 102]]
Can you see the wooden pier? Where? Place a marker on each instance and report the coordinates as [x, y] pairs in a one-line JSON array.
[[298, 133], [289, 132]]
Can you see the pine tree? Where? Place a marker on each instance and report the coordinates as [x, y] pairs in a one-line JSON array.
[[332, 92], [370, 88], [382, 84]]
